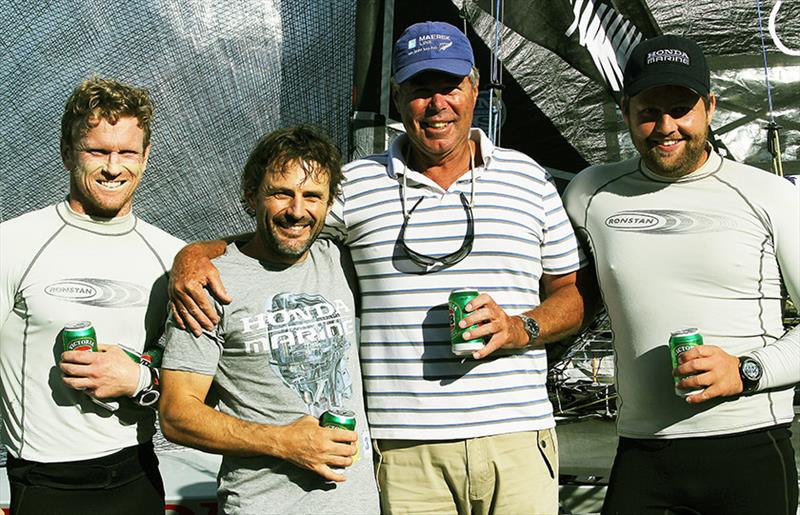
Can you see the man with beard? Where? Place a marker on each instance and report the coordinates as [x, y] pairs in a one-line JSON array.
[[283, 352], [87, 258], [445, 209], [684, 238]]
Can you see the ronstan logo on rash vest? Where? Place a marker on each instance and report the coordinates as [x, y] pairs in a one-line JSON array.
[[631, 220], [669, 221], [71, 290], [99, 292]]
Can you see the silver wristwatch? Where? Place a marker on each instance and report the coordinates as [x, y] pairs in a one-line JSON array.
[[531, 328]]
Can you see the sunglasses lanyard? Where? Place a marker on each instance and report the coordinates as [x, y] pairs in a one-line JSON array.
[[404, 184]]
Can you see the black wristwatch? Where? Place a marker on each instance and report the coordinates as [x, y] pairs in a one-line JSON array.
[[750, 371], [531, 328], [152, 392]]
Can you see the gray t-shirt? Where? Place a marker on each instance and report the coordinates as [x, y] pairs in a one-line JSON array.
[[285, 347]]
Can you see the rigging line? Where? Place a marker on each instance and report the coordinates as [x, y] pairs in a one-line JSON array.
[[764, 53], [463, 14], [495, 76], [773, 129]]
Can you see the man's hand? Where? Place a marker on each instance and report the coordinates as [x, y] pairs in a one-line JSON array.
[[716, 371], [493, 323], [110, 372], [192, 272], [307, 445], [186, 419]]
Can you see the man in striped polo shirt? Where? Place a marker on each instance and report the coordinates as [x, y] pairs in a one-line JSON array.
[[445, 209]]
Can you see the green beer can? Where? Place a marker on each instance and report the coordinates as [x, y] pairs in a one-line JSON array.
[[680, 342], [457, 307], [79, 335], [338, 418], [150, 357]]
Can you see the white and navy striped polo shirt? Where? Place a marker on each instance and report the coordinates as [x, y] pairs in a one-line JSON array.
[[415, 387]]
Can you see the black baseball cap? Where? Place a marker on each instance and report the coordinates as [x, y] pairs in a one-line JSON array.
[[666, 61]]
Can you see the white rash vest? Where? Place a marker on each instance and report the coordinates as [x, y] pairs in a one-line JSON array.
[[58, 266], [707, 250]]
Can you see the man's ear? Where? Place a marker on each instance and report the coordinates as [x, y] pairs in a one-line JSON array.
[[712, 105], [624, 106], [145, 156], [397, 95], [66, 155], [250, 201]]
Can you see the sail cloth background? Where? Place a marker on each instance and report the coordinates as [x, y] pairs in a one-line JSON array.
[[567, 56], [221, 76]]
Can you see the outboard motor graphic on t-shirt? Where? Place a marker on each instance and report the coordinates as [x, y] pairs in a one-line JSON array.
[[308, 342]]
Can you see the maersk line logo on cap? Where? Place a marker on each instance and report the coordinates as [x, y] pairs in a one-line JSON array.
[[431, 46]]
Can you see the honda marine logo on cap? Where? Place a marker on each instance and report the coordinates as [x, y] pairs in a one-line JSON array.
[[669, 55]]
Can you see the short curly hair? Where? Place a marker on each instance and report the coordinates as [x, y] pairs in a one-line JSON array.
[[305, 144], [97, 99]]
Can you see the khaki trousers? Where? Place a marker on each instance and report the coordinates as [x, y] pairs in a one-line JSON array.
[[514, 473]]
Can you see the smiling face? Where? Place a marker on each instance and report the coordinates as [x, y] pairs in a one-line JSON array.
[[106, 164], [669, 127], [436, 109], [290, 210]]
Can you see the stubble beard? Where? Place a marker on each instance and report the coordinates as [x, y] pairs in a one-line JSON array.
[[687, 162], [281, 248]]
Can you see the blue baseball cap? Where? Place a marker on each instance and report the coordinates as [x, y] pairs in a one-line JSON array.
[[431, 45]]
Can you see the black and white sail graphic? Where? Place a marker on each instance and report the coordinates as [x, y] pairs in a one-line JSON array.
[[594, 36], [606, 35]]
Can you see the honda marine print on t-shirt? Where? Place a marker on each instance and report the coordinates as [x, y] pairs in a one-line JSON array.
[[306, 338]]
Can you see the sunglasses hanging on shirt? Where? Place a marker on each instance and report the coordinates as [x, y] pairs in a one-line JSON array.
[[435, 263]]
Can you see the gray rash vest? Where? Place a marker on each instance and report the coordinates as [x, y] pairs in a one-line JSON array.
[[285, 347], [707, 250]]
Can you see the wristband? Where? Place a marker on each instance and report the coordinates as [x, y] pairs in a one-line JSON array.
[[152, 392], [144, 380]]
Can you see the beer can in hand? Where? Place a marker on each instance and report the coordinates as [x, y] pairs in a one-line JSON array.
[[80, 336], [339, 418], [457, 307], [680, 342]]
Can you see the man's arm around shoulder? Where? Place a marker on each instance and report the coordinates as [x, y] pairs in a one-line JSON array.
[[192, 273]]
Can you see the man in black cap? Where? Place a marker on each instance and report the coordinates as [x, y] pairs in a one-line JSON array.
[[445, 209], [684, 238]]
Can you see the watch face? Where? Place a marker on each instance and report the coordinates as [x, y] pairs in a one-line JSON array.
[[751, 370], [531, 327]]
